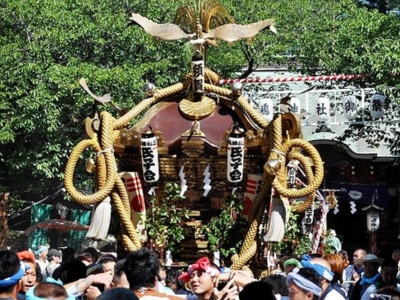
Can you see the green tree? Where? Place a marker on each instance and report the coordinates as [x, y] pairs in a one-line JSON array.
[[224, 232], [46, 48], [166, 217]]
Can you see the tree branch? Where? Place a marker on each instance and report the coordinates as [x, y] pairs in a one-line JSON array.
[[250, 60]]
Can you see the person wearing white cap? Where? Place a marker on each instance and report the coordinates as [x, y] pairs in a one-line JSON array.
[[371, 275]]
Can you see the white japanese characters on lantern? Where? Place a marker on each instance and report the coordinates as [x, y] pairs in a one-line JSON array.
[[235, 155], [266, 108], [350, 107], [373, 220], [149, 157], [295, 105], [323, 109], [377, 106]]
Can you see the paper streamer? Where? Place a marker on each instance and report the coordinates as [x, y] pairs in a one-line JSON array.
[[206, 181], [183, 181]]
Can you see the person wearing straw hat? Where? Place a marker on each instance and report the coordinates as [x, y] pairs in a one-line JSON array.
[[371, 275], [388, 279]]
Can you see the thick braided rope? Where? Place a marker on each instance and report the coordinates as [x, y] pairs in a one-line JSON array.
[[112, 180], [146, 103], [281, 175], [107, 147], [127, 242], [101, 171], [274, 126], [119, 195], [267, 179], [241, 101], [249, 246], [124, 198], [212, 76], [83, 199], [309, 175], [319, 170], [254, 114], [121, 202], [275, 137]]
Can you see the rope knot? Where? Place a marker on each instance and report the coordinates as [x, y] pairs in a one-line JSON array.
[[110, 149]]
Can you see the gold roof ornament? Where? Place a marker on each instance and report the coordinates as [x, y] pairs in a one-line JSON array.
[[198, 20], [229, 32]]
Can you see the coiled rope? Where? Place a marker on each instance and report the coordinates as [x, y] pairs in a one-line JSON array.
[[108, 181]]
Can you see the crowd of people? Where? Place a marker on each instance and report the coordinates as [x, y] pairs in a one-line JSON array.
[[55, 275]]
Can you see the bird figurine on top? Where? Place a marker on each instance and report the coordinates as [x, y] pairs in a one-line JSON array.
[[199, 25]]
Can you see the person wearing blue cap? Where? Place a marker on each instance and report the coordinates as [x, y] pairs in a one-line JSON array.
[[11, 272], [304, 284], [323, 269]]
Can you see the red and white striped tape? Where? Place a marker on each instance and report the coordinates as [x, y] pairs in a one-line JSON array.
[[291, 79]]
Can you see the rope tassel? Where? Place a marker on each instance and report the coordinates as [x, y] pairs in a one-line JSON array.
[[100, 222], [279, 212]]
